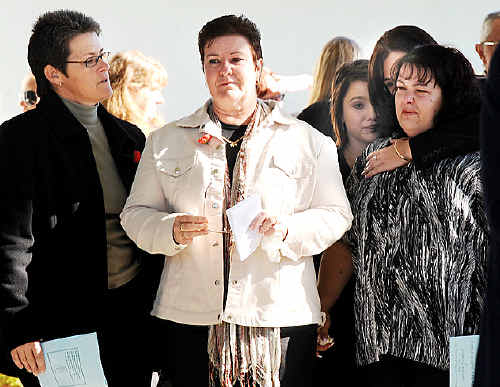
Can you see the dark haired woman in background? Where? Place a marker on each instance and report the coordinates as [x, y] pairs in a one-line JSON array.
[[419, 235], [352, 113], [456, 138], [354, 125]]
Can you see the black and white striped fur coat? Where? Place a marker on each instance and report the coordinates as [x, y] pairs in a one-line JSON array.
[[419, 241]]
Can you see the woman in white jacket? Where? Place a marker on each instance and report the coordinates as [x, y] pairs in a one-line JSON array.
[[232, 148]]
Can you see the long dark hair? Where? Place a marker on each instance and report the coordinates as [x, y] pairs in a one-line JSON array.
[[400, 38], [347, 74]]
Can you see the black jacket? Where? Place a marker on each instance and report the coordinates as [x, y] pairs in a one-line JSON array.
[[53, 263], [487, 371]]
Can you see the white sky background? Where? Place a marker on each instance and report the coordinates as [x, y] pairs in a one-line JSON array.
[[293, 34]]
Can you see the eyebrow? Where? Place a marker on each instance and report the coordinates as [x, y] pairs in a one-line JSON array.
[[358, 97], [416, 84], [231, 53], [93, 53]]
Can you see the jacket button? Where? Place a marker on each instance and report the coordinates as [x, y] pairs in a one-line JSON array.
[[217, 282], [215, 205], [218, 147], [235, 282], [215, 244], [215, 171], [177, 170]]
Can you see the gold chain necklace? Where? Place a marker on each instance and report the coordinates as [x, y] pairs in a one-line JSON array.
[[232, 144]]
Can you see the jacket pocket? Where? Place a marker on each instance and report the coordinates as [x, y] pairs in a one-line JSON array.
[[179, 179], [293, 168], [290, 183], [178, 167]]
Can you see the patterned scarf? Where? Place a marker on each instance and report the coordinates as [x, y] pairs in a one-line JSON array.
[[250, 355]]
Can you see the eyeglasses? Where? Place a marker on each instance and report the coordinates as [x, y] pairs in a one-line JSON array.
[[489, 43], [93, 60]]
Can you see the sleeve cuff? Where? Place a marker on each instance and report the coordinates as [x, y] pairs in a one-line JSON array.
[[285, 248], [163, 240]]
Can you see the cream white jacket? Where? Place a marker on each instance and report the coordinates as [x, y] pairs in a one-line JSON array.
[[295, 170]]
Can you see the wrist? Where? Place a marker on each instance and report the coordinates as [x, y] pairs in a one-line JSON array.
[[173, 238], [324, 317], [325, 305], [177, 246], [404, 147], [400, 152]]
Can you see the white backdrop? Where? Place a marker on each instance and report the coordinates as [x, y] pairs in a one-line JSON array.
[[293, 34]]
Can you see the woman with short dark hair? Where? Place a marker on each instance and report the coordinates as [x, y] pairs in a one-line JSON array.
[[419, 234], [235, 148], [66, 265]]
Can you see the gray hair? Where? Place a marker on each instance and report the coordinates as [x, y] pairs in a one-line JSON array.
[[486, 29]]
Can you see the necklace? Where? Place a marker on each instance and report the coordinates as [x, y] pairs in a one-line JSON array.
[[232, 144]]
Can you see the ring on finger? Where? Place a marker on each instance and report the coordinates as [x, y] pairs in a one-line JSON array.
[[180, 227], [374, 157]]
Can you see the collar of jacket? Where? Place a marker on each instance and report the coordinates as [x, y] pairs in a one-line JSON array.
[[63, 123], [123, 137], [200, 118], [66, 125]]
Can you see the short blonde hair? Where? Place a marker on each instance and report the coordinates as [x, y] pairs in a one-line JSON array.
[[335, 53], [134, 69]]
